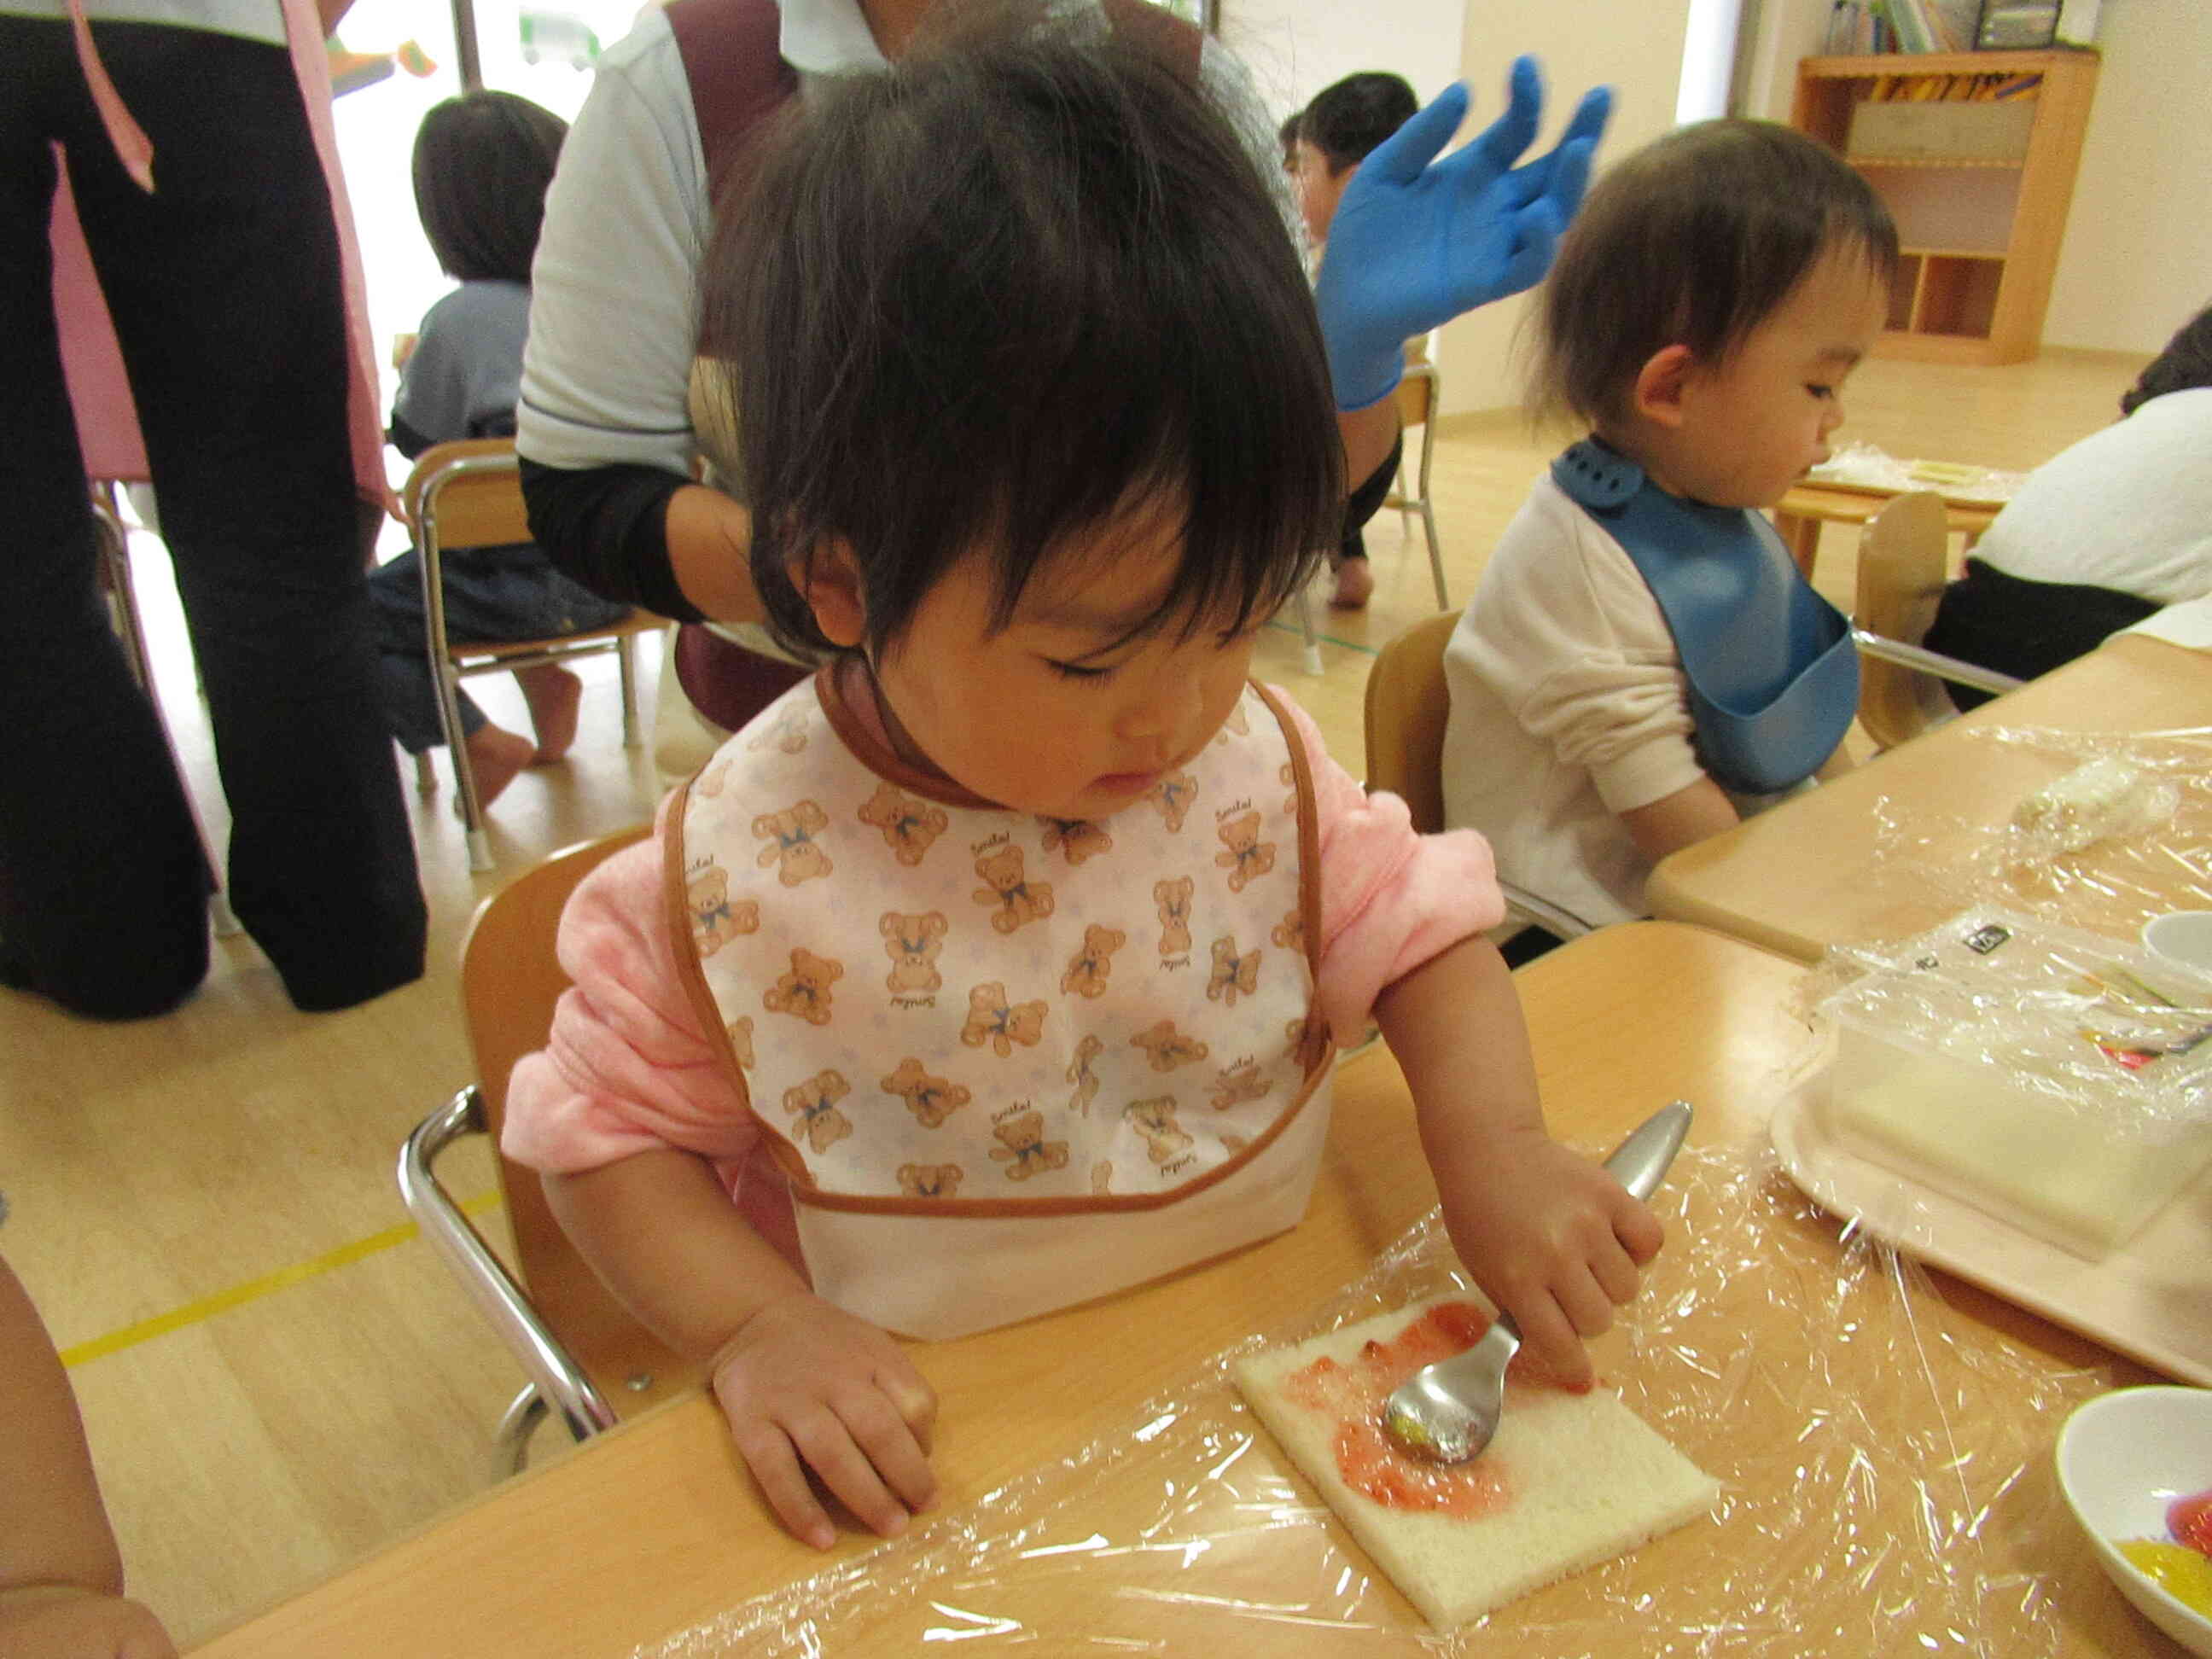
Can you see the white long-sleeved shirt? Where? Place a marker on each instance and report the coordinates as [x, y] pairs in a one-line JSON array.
[[1568, 709], [2128, 508]]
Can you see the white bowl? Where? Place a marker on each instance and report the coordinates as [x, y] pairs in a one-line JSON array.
[[2123, 1459], [2182, 937]]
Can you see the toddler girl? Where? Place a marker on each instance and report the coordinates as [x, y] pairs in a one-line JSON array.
[[1642, 661], [1000, 964], [482, 163]]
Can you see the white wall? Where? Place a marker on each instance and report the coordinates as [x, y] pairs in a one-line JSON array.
[[1635, 46], [2137, 261], [1295, 47]]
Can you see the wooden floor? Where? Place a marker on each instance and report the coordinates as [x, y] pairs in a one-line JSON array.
[[276, 1375]]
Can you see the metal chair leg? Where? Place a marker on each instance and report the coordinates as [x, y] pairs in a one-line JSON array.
[[1313, 663], [511, 1448], [1435, 554], [626, 654]]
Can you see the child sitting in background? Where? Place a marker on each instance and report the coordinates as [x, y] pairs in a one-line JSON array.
[[1641, 663], [61, 1577], [482, 163], [999, 965], [1332, 135]]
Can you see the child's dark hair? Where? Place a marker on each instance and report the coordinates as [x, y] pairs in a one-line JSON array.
[[1695, 240], [482, 163], [1029, 280], [2185, 363], [1348, 119]]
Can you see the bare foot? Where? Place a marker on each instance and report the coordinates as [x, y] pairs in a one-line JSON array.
[[496, 755], [1354, 582], [552, 693]]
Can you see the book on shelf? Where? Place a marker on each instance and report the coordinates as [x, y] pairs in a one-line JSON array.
[[1851, 29], [1951, 88], [1957, 21], [1910, 20]]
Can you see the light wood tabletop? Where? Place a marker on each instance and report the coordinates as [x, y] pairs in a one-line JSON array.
[[1799, 514], [1813, 873], [655, 1527]]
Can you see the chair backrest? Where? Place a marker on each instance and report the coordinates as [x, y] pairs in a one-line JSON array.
[[510, 981], [1417, 394], [467, 493], [1408, 705], [1904, 557]]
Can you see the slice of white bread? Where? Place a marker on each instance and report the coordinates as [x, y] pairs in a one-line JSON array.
[[1580, 1477]]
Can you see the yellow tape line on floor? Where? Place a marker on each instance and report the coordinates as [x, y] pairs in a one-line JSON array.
[[252, 1289]]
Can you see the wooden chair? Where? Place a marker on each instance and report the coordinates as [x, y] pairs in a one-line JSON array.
[[1904, 563], [1408, 705], [581, 1348], [1420, 395], [469, 494]]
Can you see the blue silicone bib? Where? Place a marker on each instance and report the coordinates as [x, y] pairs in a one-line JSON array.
[[1773, 678]]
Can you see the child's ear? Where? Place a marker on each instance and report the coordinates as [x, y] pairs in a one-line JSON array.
[[1660, 383], [828, 577]]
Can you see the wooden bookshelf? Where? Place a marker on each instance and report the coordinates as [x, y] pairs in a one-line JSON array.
[[1980, 234]]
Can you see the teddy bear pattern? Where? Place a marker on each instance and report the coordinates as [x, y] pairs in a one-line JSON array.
[[944, 1004]]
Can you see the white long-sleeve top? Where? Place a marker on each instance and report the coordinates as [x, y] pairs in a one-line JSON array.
[[2128, 508], [1568, 709]]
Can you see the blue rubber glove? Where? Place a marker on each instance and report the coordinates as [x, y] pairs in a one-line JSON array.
[[1414, 245]]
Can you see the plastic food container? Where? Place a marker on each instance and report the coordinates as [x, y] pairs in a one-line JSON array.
[[2056, 1079]]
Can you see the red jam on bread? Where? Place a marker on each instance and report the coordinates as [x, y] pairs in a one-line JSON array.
[[1353, 1395]]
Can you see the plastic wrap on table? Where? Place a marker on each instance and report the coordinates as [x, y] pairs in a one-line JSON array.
[[2087, 1024], [1869, 466], [2109, 859], [1887, 1488]]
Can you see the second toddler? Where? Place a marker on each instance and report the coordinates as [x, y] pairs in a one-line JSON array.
[[1642, 661]]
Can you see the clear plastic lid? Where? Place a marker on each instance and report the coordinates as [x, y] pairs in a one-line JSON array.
[[2073, 1016]]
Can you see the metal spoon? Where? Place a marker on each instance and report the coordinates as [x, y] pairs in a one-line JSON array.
[[1447, 1411]]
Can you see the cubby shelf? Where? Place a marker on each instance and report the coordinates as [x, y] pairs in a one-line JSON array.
[[1981, 233], [1865, 163]]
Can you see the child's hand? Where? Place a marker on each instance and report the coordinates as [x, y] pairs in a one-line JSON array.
[[1553, 1240], [803, 1382], [57, 1622]]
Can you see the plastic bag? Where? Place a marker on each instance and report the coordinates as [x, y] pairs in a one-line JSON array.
[[2152, 854]]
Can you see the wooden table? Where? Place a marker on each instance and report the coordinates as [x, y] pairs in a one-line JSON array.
[[654, 1525], [1808, 873], [1799, 515]]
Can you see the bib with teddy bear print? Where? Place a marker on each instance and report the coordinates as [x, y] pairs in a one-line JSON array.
[[1009, 1062]]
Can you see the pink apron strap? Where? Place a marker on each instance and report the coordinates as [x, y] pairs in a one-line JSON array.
[[132, 147]]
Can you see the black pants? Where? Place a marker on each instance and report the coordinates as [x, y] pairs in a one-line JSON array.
[[2024, 627], [1367, 500], [225, 289]]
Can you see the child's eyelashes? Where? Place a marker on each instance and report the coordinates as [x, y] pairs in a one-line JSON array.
[[1094, 673], [1823, 393], [1076, 671]]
